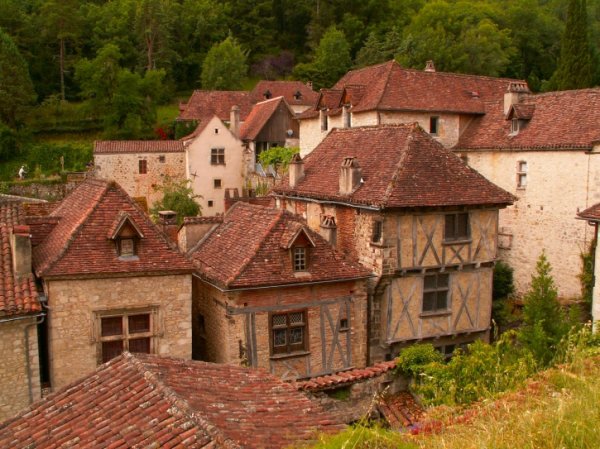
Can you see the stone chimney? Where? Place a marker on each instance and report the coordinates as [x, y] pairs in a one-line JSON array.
[[514, 94], [234, 120], [429, 66], [350, 175], [20, 242], [296, 170], [328, 229], [309, 84], [167, 220]]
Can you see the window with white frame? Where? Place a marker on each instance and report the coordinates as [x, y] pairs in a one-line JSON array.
[[521, 174], [217, 156]]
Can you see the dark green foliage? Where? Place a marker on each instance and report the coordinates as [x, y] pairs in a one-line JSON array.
[[575, 68], [183, 128], [178, 196], [412, 360], [224, 67], [586, 277], [46, 157], [502, 288]]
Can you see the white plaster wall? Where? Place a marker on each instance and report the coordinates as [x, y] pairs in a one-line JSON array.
[[559, 185], [198, 158], [596, 291]]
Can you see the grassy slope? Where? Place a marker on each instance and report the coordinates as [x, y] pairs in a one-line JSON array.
[[559, 409]]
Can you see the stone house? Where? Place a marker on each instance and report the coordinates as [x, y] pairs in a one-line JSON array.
[[405, 207], [139, 166], [298, 95], [111, 280], [271, 293], [148, 401], [20, 313]]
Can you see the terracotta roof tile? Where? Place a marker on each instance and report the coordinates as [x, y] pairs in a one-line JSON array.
[[216, 102], [138, 146], [259, 116], [78, 244], [18, 295], [402, 167], [286, 89], [345, 377], [558, 120], [246, 251], [148, 401], [591, 213]]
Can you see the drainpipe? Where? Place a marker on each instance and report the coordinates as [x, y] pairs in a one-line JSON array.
[[26, 332]]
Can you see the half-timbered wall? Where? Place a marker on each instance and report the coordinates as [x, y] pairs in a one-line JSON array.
[[236, 327]]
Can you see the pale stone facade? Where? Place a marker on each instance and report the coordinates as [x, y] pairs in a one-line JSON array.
[[559, 184], [234, 327], [18, 387], [76, 306], [124, 168], [210, 177]]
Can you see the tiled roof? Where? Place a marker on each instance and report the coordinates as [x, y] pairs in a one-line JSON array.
[[137, 146], [389, 87], [78, 243], [202, 124], [248, 250], [402, 166], [286, 89], [591, 213], [149, 401], [22, 199], [18, 296], [345, 377], [259, 116], [558, 120], [216, 102]]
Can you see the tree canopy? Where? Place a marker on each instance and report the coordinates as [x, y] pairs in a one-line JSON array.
[[224, 67]]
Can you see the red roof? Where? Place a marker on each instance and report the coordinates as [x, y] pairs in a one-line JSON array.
[[216, 102], [259, 116], [591, 213], [251, 248], [137, 146], [149, 401], [554, 120], [78, 244], [402, 166], [343, 378], [287, 89], [18, 296], [389, 87]]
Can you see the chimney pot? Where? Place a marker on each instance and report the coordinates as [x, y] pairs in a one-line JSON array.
[[350, 175], [296, 170], [429, 66], [234, 120], [20, 241]]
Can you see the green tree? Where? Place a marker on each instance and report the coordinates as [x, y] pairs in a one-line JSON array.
[[16, 89], [224, 67], [179, 197], [278, 157], [153, 25], [575, 68], [544, 321]]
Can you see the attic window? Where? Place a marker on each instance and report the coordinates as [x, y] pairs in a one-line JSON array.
[[433, 125], [126, 235], [324, 118], [298, 95], [267, 94], [142, 166], [514, 127], [299, 258], [126, 247], [216, 130]]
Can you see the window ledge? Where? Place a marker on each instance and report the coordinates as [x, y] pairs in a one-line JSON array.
[[289, 355], [128, 258], [378, 244], [435, 313], [457, 242]]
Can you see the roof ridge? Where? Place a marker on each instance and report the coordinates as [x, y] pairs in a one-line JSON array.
[[385, 87], [178, 402], [462, 75], [400, 164]]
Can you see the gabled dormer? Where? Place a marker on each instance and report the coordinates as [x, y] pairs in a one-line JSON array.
[[519, 115], [126, 235], [299, 245]]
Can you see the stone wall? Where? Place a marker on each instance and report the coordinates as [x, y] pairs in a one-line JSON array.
[[14, 387], [75, 306], [45, 191], [559, 185], [124, 169]]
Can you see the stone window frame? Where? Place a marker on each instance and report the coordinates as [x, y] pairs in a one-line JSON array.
[[453, 231], [142, 166], [377, 231], [289, 330], [126, 336], [217, 156], [434, 125], [522, 172], [438, 292]]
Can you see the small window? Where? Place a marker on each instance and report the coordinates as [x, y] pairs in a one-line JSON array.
[[298, 95], [457, 227], [161, 159], [514, 126], [433, 125], [347, 117], [211, 203], [299, 253], [131, 331], [377, 231], [521, 174], [324, 121], [201, 326], [126, 247], [142, 166], [216, 130], [344, 324], [435, 292], [217, 156], [288, 332], [217, 183]]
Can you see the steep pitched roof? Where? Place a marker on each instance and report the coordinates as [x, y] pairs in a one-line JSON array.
[[390, 87], [259, 116], [215, 102], [18, 295], [137, 146], [556, 120], [249, 249], [402, 167], [287, 89], [78, 244], [150, 401]]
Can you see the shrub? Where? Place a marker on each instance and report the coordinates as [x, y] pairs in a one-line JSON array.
[[177, 196], [503, 287], [586, 277], [412, 360]]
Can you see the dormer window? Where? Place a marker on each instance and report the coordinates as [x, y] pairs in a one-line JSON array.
[[300, 260], [126, 247], [298, 95], [324, 120], [267, 94], [126, 236], [298, 245], [514, 128]]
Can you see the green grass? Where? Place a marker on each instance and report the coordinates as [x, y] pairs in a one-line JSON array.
[[167, 113]]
